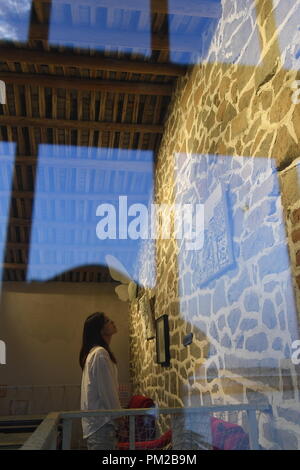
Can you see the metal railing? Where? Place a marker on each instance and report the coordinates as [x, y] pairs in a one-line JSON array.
[[46, 435]]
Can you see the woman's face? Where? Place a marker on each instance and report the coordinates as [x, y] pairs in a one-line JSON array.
[[109, 327]]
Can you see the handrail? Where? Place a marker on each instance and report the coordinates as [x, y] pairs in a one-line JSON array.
[[45, 436], [155, 411]]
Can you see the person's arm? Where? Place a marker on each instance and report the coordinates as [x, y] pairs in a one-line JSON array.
[[107, 385]]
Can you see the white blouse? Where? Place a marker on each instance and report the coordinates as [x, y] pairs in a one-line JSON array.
[[99, 389]]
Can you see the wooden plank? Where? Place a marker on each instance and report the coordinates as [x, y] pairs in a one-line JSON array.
[[23, 121], [89, 62], [199, 8]]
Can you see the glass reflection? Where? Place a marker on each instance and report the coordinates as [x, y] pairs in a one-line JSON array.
[[236, 292], [14, 20], [98, 27], [7, 161], [84, 208]]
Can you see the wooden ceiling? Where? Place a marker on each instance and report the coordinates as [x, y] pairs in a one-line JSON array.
[[92, 75]]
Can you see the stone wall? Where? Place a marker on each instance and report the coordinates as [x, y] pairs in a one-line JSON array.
[[231, 130]]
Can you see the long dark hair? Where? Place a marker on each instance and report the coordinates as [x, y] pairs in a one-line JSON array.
[[92, 337]]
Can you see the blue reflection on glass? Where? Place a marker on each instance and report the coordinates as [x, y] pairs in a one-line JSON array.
[[236, 291], [14, 20], [237, 40], [7, 161], [244, 249], [98, 28], [83, 208], [192, 30], [288, 41]]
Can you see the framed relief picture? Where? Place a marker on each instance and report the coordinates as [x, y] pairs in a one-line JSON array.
[[147, 316], [162, 341]]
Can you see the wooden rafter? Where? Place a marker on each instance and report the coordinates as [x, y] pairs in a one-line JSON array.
[[96, 164], [24, 121], [137, 88], [89, 62]]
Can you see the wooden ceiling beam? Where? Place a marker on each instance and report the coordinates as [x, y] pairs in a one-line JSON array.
[[95, 37], [199, 8], [29, 56], [23, 121], [73, 83], [95, 164]]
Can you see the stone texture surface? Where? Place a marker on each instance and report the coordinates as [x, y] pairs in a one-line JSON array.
[[231, 122]]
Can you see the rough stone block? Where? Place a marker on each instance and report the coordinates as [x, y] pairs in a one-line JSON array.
[[212, 372], [233, 319], [274, 262], [240, 342], [251, 302], [204, 304], [296, 235], [219, 299], [238, 222], [221, 322], [239, 124], [193, 307], [226, 341], [298, 258], [214, 332], [257, 342], [248, 324], [258, 241], [200, 329], [258, 215], [268, 187], [232, 388], [277, 344], [268, 314], [295, 217], [236, 181], [236, 289], [278, 298], [281, 318]]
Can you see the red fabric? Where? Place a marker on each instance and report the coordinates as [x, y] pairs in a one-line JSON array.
[[145, 426], [225, 435], [154, 444], [228, 436], [139, 401]]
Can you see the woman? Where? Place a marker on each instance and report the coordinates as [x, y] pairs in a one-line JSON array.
[[99, 385]]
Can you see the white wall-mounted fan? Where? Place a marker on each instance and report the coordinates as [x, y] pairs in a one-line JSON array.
[[127, 290]]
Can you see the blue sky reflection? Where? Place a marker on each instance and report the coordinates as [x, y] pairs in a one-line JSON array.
[[69, 189], [7, 162]]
